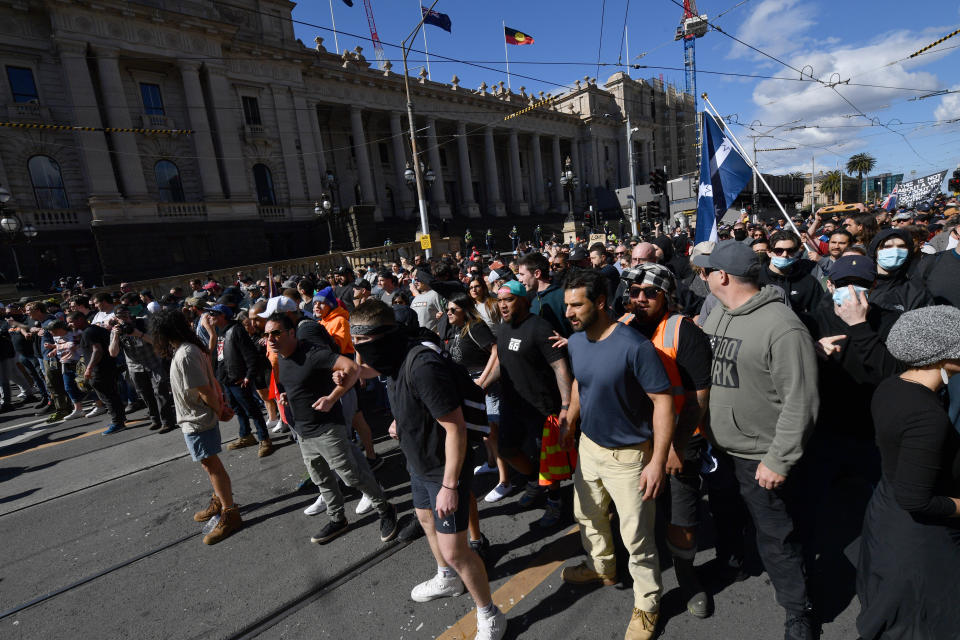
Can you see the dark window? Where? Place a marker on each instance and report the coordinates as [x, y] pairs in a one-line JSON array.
[[47, 183], [264, 181], [443, 158], [22, 85], [168, 181], [251, 110], [384, 153], [152, 100]]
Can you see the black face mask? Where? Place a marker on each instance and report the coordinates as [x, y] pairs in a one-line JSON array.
[[384, 354], [739, 234]]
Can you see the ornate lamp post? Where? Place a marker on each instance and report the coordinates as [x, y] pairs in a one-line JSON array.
[[12, 227], [569, 181], [324, 211], [410, 177]]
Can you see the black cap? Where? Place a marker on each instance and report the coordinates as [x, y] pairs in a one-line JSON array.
[[732, 256], [344, 271], [578, 253], [362, 283], [859, 267]]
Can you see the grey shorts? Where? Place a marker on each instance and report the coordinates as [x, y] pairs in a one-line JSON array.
[[203, 444]]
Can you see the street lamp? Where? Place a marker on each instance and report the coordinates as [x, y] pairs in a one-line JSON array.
[[569, 181], [12, 227], [324, 211], [410, 177]]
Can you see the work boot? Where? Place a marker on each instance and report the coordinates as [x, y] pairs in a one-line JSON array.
[[244, 441], [266, 448], [698, 603], [801, 627], [230, 523], [583, 574], [212, 509], [642, 625]]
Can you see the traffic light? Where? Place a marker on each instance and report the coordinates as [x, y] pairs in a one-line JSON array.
[[587, 217], [653, 208], [954, 183], [658, 181]]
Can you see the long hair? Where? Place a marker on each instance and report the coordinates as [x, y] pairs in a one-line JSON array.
[[468, 305], [169, 329], [486, 299]]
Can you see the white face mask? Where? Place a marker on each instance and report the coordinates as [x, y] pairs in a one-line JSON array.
[[944, 376], [952, 242]]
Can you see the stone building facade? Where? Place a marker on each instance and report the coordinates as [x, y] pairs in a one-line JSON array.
[[269, 120]]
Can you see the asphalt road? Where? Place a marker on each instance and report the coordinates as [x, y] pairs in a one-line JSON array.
[[99, 542]]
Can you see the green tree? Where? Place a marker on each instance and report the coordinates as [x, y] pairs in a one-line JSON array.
[[830, 184], [860, 164]]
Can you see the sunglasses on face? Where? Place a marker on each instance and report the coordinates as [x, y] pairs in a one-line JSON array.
[[452, 310], [648, 292], [781, 251], [620, 254]]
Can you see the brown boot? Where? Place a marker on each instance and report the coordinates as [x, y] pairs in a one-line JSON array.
[[582, 574], [240, 443], [230, 522], [212, 509], [266, 448], [642, 625]]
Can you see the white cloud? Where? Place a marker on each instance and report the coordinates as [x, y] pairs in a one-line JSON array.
[[774, 26], [949, 107]]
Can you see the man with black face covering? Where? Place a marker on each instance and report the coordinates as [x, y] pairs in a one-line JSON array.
[[433, 436]]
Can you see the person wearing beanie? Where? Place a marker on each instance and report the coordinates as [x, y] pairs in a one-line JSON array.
[[910, 548], [895, 291]]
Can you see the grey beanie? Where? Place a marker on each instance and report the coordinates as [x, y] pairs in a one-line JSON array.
[[926, 335]]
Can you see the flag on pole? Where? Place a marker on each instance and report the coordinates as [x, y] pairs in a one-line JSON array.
[[890, 202], [514, 36], [723, 174], [349, 3], [437, 19]]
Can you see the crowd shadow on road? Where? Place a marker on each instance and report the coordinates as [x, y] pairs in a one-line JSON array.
[[9, 473], [16, 496]]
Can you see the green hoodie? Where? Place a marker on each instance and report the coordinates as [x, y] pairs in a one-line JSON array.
[[764, 397]]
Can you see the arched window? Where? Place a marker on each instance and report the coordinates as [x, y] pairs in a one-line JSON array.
[[264, 181], [168, 181], [47, 183]]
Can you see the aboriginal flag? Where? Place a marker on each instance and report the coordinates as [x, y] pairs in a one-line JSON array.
[[514, 36]]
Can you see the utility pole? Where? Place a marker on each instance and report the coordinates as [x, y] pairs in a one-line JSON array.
[[633, 184], [756, 196], [813, 185]]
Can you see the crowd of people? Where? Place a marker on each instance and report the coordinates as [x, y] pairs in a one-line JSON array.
[[751, 374]]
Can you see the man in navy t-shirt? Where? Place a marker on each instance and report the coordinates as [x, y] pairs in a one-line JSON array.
[[621, 393]]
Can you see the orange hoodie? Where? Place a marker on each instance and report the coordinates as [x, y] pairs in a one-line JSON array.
[[337, 324]]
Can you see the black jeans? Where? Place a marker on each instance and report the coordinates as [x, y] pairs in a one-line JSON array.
[[778, 540], [105, 384], [243, 404], [154, 389]]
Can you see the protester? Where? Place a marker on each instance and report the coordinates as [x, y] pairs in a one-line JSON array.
[[101, 369]]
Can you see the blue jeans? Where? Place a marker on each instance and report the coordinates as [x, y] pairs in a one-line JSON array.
[[243, 404], [70, 382]]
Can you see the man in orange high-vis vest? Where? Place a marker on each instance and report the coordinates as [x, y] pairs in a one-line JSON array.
[[685, 352]]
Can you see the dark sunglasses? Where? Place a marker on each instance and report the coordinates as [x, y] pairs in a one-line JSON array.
[[649, 292], [781, 251], [452, 309], [276, 333]]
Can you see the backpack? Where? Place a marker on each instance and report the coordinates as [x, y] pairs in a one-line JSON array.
[[472, 398]]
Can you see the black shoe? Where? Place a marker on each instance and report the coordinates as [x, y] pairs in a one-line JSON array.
[[154, 426], [43, 404], [410, 529], [136, 406], [6, 406], [167, 428], [330, 531], [802, 627], [388, 525], [481, 547], [375, 462], [47, 408]]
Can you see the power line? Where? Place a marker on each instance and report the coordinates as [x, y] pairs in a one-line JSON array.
[[603, 13]]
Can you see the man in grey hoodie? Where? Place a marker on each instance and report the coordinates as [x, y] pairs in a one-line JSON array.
[[763, 407]]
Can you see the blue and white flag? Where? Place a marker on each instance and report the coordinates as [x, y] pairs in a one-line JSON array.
[[723, 174], [437, 19]]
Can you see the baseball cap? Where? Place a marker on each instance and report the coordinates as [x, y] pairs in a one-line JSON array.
[[210, 286], [515, 288], [363, 283], [578, 253], [704, 248], [859, 267], [731, 256], [222, 309], [903, 215], [655, 275], [279, 304]]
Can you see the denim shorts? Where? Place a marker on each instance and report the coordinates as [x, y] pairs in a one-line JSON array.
[[203, 444]]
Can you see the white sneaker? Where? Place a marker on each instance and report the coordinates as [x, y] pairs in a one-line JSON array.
[[364, 505], [437, 587], [318, 507], [491, 627], [484, 468], [73, 415], [280, 427], [96, 411], [499, 492]]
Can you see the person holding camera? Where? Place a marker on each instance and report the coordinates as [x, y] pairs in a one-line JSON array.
[[146, 369]]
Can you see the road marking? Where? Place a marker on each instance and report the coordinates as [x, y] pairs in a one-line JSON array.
[[29, 423], [517, 587], [132, 423]]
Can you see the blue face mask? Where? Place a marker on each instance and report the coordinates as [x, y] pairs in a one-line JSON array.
[[782, 263], [842, 294], [892, 258]]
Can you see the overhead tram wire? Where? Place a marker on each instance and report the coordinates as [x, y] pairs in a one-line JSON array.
[[603, 13]]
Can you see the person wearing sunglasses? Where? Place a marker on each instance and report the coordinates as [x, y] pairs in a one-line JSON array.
[[792, 273]]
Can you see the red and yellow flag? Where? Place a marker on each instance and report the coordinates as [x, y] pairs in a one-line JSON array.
[[515, 36]]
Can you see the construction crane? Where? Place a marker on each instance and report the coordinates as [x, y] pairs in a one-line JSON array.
[[377, 47], [692, 26]]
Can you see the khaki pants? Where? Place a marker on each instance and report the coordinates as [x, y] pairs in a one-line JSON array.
[[604, 474]]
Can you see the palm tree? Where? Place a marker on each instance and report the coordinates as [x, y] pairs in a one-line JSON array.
[[830, 183], [860, 164]]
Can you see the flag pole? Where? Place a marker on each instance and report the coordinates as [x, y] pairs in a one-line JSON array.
[[426, 49], [336, 41], [716, 117], [506, 55]]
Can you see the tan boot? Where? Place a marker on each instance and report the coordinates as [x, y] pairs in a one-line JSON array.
[[240, 443], [266, 448], [642, 625], [212, 509], [583, 574], [230, 523]]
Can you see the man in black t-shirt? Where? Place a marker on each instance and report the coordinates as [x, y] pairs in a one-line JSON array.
[[306, 372], [536, 384], [101, 371], [433, 437]]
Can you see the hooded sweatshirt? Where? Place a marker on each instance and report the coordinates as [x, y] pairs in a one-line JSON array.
[[549, 305], [764, 398], [896, 292], [337, 324]]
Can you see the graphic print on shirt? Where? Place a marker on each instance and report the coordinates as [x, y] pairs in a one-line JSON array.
[[725, 351], [514, 344], [220, 349]]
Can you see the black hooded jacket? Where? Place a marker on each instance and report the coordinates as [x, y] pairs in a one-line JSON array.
[[804, 291], [896, 292]]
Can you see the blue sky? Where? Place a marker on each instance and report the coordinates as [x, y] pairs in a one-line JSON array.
[[840, 40]]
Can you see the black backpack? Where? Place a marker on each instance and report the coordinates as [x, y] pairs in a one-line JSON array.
[[472, 398]]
